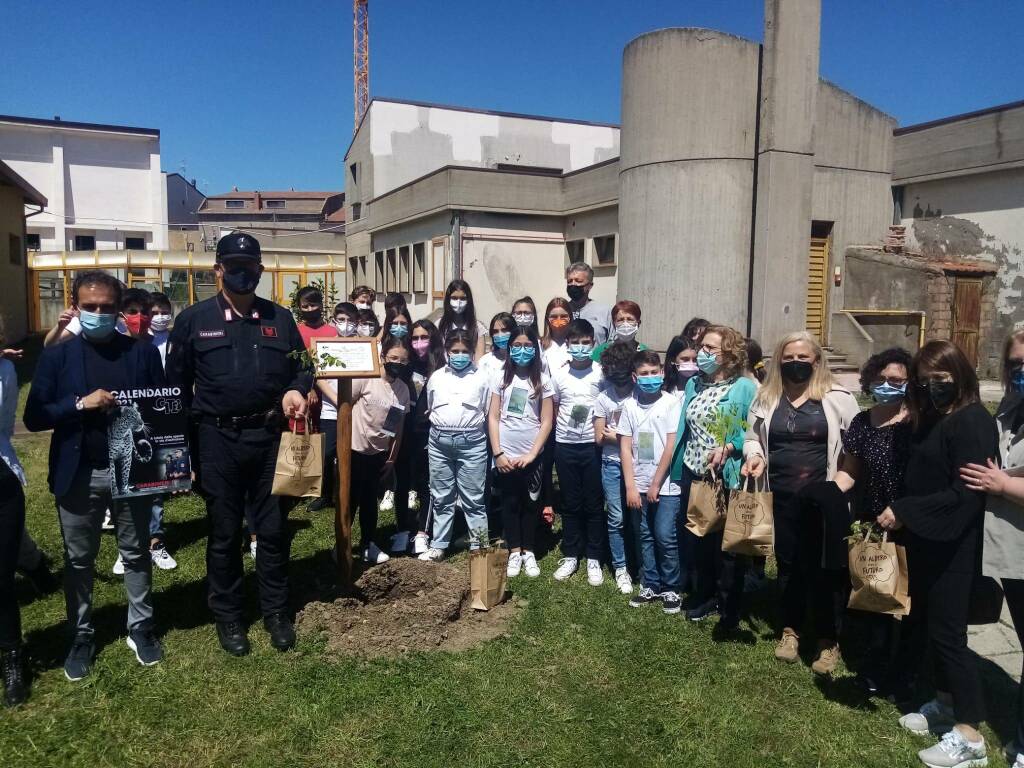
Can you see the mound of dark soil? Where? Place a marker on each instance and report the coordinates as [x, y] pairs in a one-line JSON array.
[[403, 606]]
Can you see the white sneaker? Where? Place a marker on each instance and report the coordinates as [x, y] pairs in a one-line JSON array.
[[387, 504], [595, 576], [400, 543], [515, 564], [420, 543], [373, 556], [530, 565], [162, 559], [108, 524], [623, 582], [933, 717], [566, 567], [118, 569], [433, 554], [252, 548], [414, 500], [1014, 755], [954, 751], [1019, 762]]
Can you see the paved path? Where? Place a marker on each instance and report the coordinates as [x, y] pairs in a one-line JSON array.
[[998, 643]]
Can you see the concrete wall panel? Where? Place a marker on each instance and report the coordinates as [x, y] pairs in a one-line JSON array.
[[850, 133]]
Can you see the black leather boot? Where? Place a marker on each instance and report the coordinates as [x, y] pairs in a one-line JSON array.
[[232, 637], [282, 633], [12, 666]]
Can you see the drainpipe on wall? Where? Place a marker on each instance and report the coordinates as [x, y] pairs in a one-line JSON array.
[[456, 238]]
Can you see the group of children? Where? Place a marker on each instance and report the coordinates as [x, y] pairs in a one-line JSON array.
[[453, 428]]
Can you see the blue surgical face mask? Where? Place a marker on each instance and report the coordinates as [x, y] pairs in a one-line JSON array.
[[399, 331], [581, 351], [885, 393], [1017, 381], [459, 360], [708, 363], [650, 384], [96, 326], [523, 355], [501, 339]]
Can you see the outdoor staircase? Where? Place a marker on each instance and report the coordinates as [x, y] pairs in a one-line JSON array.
[[838, 362]]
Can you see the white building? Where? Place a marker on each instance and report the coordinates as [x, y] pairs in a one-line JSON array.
[[103, 183]]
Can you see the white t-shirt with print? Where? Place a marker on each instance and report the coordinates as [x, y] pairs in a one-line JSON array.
[[576, 391], [494, 367], [556, 357], [520, 413], [650, 424], [458, 399], [608, 406]]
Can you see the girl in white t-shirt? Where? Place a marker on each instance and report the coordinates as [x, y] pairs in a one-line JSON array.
[[500, 329], [556, 322], [519, 421], [459, 314], [457, 397]]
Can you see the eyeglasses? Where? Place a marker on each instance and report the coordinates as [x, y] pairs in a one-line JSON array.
[[709, 349], [892, 381]]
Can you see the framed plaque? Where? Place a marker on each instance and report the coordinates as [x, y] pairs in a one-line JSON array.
[[356, 357]]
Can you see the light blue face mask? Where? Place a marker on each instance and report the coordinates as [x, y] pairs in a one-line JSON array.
[[581, 351], [650, 384], [459, 360], [96, 326], [523, 355], [399, 331], [885, 393], [1017, 381], [501, 339], [708, 363]]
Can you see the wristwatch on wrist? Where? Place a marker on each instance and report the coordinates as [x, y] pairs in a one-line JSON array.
[[79, 404]]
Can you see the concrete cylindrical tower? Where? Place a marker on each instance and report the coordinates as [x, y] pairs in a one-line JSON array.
[[688, 141]]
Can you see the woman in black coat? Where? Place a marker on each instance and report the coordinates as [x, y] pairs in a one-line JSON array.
[[942, 523]]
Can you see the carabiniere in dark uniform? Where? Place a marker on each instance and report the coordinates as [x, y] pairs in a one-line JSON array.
[[231, 354]]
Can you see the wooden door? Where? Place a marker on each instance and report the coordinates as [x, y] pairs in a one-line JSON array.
[[817, 288], [967, 316]]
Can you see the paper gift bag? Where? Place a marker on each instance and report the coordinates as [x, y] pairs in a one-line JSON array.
[[488, 576], [299, 470], [749, 521], [705, 509], [878, 575]]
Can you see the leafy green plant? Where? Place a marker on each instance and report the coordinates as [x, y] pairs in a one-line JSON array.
[[861, 528], [480, 538], [309, 363], [725, 424]]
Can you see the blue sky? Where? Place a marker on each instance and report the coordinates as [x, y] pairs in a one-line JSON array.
[[258, 93]]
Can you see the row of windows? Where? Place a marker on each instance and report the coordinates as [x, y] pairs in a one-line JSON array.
[[266, 203], [86, 242], [395, 270]]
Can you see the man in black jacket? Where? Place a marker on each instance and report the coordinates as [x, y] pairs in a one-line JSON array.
[[72, 395], [236, 357]]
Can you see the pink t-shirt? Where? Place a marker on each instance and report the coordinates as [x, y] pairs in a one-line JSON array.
[[309, 333]]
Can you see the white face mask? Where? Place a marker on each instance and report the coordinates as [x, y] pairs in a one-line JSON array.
[[626, 330], [362, 305], [459, 306], [346, 328], [364, 330], [524, 318], [160, 321]]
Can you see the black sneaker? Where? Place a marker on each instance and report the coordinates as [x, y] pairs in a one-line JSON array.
[[42, 579], [645, 596], [318, 504], [78, 663], [232, 637], [671, 602], [147, 648], [701, 612], [728, 623], [15, 691], [282, 633]]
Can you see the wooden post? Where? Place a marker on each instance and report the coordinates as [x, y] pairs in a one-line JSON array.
[[342, 514]]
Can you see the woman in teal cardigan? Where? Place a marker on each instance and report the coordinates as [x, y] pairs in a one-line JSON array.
[[719, 396]]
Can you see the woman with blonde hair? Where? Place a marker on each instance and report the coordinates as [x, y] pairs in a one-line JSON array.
[[796, 425], [720, 393]]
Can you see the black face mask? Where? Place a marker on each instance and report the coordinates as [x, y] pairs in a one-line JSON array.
[[241, 280], [942, 394], [796, 371], [396, 369], [312, 315], [575, 292]]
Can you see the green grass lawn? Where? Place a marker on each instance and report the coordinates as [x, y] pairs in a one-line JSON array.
[[581, 679]]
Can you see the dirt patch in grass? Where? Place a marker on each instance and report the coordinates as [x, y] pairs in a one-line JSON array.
[[404, 606]]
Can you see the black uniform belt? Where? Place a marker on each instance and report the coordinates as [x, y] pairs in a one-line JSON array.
[[252, 421]]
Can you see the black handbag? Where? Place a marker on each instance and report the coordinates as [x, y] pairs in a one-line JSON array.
[[986, 601]]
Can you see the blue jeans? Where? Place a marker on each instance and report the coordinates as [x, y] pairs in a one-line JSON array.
[[660, 543], [458, 469], [611, 480]]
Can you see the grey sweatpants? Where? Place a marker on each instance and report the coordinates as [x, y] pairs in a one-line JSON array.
[[81, 519]]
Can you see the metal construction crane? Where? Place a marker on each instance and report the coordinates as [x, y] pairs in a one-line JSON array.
[[361, 57]]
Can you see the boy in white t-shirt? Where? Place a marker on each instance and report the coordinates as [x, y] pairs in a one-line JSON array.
[[647, 432], [577, 458]]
